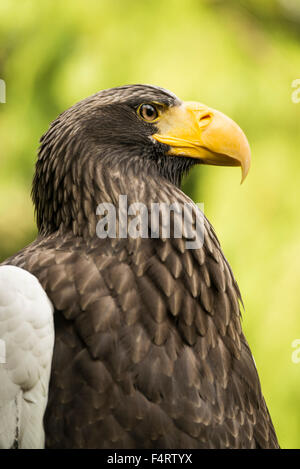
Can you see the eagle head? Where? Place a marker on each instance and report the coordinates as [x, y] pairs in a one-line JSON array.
[[123, 135]]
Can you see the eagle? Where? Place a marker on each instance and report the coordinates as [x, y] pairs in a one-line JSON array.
[[127, 340]]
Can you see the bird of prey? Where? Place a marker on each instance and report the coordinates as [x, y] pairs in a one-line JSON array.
[[126, 341]]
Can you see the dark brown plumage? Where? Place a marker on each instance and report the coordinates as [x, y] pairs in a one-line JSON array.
[[149, 351]]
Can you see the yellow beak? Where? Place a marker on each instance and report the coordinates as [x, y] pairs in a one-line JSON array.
[[192, 129]]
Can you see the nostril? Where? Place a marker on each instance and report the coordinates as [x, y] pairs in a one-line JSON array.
[[205, 118]]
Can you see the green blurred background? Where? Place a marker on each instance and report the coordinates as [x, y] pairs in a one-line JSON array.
[[240, 57]]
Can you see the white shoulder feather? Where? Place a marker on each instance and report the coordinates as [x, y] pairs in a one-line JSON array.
[[26, 348]]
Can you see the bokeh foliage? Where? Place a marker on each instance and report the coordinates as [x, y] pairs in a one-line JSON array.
[[237, 56]]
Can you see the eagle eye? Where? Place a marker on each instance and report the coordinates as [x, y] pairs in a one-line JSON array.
[[148, 112]]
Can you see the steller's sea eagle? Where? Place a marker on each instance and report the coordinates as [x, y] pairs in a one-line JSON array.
[[115, 340]]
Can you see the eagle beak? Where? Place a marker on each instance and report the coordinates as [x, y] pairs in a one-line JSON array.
[[194, 130]]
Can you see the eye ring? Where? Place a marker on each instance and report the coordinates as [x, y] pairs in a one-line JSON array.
[[148, 112]]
